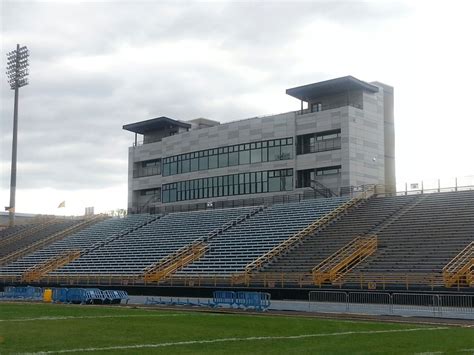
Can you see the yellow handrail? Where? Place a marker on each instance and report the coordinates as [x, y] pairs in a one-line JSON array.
[[297, 237], [345, 259], [174, 262], [35, 272], [459, 269], [362, 280], [28, 231], [52, 238]]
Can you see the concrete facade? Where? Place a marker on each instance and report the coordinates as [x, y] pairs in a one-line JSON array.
[[361, 114]]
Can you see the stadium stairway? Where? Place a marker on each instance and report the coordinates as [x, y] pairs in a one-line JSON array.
[[460, 270], [345, 259], [36, 272], [92, 231], [33, 234], [43, 237], [11, 234], [424, 240], [131, 255], [192, 252], [10, 231], [362, 219], [232, 251]]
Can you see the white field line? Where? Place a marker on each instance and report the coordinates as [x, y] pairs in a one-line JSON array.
[[226, 340], [94, 317]]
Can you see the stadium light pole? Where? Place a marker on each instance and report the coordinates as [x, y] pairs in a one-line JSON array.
[[17, 72]]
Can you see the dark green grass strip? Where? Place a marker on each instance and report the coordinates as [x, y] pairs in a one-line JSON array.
[[127, 327]]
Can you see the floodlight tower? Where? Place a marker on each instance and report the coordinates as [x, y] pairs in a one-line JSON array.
[[17, 72]]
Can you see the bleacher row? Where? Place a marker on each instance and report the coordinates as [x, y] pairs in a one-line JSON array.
[[17, 241], [416, 234]]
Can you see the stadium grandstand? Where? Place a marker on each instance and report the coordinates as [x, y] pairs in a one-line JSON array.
[[297, 201], [365, 241]]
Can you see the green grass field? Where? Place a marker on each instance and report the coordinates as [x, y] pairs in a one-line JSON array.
[[46, 328]]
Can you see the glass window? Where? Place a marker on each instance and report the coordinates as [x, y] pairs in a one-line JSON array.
[[185, 166], [274, 184], [287, 183], [213, 161], [316, 107], [165, 196], [244, 157], [330, 170], [256, 155], [166, 169], [233, 158], [203, 163], [264, 154], [194, 164], [274, 153], [247, 153], [174, 168], [286, 152], [223, 160]]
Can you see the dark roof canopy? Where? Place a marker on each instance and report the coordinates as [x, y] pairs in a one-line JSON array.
[[154, 124], [330, 87]]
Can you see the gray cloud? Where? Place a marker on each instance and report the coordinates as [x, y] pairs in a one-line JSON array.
[[71, 114]]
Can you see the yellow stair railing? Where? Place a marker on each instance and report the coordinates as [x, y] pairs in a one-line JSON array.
[[459, 271], [35, 272], [50, 239], [174, 262], [28, 231], [300, 235], [344, 260]]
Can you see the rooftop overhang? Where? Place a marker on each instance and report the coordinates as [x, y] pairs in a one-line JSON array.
[[154, 124], [330, 87]]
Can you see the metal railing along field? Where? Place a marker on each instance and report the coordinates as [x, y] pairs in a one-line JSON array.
[[408, 304], [361, 281]]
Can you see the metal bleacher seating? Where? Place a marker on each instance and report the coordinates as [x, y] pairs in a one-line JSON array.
[[415, 234], [81, 240], [27, 239], [361, 220], [9, 231], [148, 245], [231, 251], [424, 240]]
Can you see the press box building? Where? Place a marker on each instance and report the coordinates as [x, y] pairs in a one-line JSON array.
[[342, 135]]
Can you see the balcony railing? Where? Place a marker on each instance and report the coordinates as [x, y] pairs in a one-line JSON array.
[[150, 171], [330, 107], [320, 146]]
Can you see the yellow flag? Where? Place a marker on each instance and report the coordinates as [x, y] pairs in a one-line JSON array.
[[62, 204]]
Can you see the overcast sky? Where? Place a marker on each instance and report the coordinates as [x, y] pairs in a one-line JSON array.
[[95, 66]]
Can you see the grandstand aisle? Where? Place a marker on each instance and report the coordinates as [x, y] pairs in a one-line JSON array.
[[360, 220], [17, 243], [148, 245], [231, 251], [427, 238], [87, 237]]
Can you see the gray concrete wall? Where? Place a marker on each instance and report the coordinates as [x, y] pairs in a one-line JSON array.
[[363, 143], [389, 135]]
